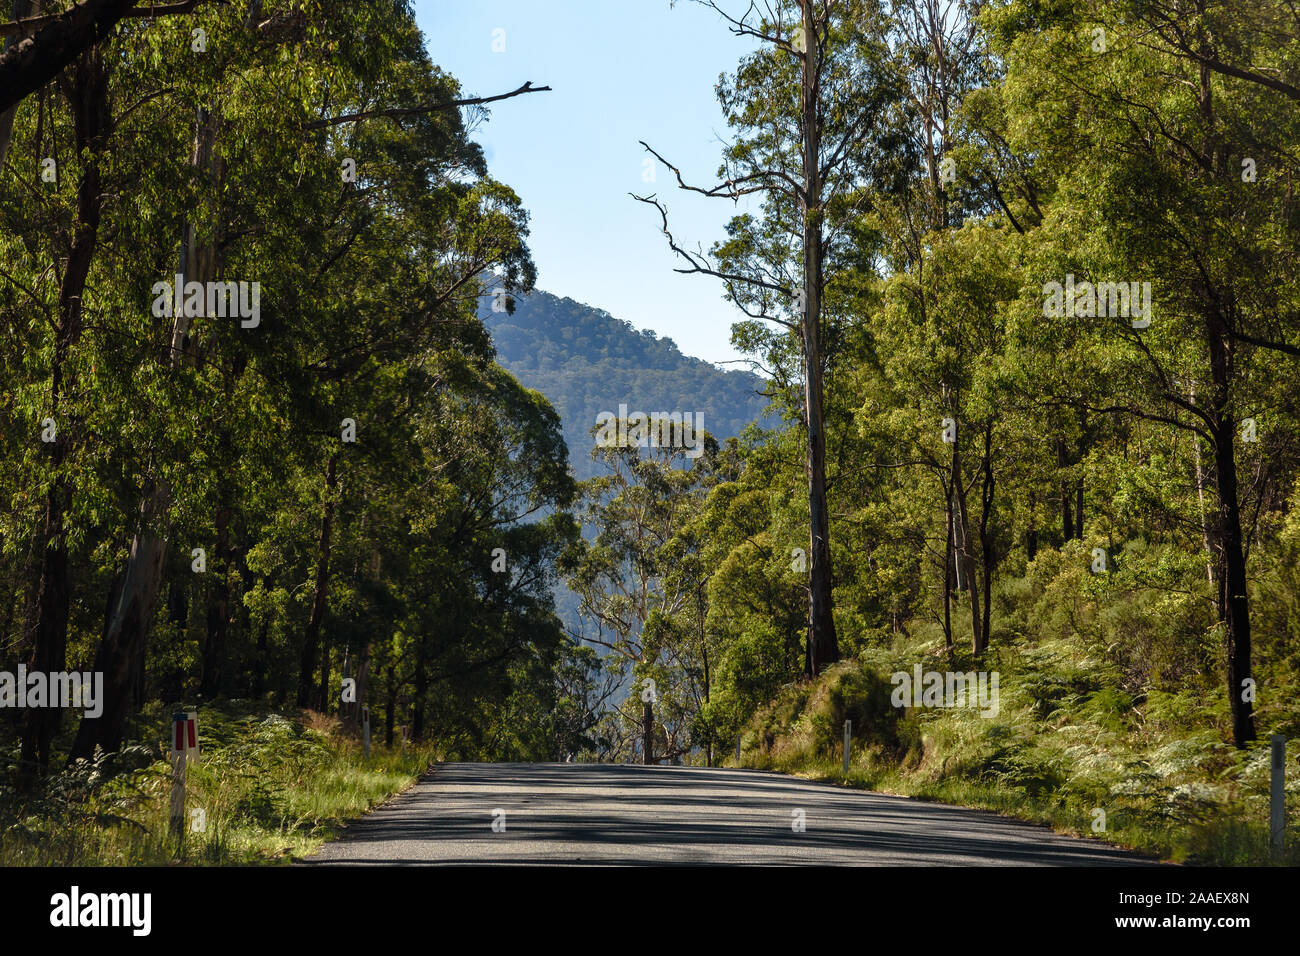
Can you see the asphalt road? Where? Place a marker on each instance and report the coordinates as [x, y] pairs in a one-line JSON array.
[[619, 814]]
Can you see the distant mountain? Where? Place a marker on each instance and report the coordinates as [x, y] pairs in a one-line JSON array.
[[587, 362]]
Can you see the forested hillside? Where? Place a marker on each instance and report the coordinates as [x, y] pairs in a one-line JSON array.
[[587, 362]]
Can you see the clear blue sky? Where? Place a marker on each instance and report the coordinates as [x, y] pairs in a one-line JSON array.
[[621, 71]]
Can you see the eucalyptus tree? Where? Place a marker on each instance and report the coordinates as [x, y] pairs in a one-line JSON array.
[[400, 221], [624, 578], [1177, 176], [817, 111], [488, 521]]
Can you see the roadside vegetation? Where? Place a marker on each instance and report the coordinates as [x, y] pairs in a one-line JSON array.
[[271, 788], [1076, 733]]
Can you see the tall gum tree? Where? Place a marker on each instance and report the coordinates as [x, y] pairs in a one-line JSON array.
[[817, 113]]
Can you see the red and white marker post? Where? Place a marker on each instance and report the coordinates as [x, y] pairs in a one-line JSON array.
[[185, 744]]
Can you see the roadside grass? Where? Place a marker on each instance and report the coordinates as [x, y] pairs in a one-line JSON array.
[[1064, 745], [269, 788]]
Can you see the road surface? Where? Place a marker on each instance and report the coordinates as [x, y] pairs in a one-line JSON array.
[[614, 814]]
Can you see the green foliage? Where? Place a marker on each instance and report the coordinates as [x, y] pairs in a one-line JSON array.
[[328, 553], [271, 788]]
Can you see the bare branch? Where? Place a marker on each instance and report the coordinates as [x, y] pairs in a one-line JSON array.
[[741, 26], [699, 263], [420, 110], [16, 28], [729, 190], [1284, 347]]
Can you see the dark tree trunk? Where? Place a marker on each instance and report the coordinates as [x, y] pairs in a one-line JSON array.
[[20, 10], [178, 608], [1218, 323], [647, 733], [948, 558], [88, 101], [417, 705], [1067, 511], [1235, 605], [1206, 530], [34, 61], [1078, 509], [218, 612], [987, 555], [390, 708], [823, 645], [962, 544], [49, 652], [704, 655], [122, 647], [311, 639]]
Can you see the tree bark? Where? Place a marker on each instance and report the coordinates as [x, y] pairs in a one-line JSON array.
[[647, 733], [823, 645], [1067, 512], [124, 639], [1078, 508], [966, 560], [89, 106], [32, 62], [1235, 605], [947, 574], [122, 648], [311, 639], [1206, 536], [987, 555], [21, 9], [704, 654]]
